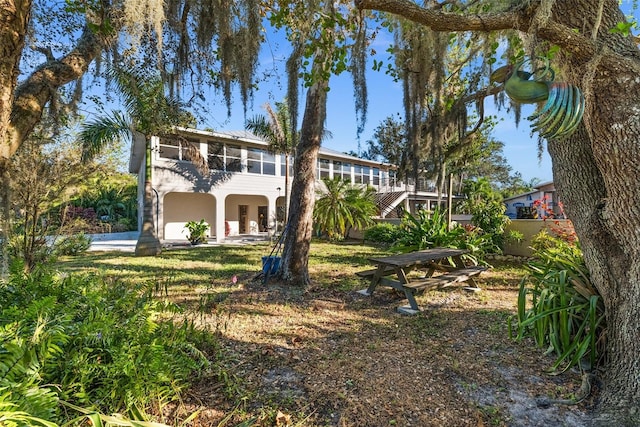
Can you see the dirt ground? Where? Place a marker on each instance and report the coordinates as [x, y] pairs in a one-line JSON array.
[[333, 357]]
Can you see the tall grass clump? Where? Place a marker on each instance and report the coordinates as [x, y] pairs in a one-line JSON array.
[[91, 342], [559, 306]]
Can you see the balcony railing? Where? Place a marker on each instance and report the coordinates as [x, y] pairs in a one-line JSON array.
[[394, 184]]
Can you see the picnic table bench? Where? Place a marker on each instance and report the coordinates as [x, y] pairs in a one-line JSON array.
[[393, 271]]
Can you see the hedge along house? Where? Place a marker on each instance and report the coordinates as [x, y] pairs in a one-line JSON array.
[[243, 193]]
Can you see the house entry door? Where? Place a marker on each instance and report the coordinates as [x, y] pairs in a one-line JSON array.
[[242, 218], [263, 223]]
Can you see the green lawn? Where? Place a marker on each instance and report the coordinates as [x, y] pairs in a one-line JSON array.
[[315, 355]]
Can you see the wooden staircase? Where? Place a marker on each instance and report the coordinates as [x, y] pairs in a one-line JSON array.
[[388, 201]]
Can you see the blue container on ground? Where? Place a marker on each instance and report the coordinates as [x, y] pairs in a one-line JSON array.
[[270, 264]]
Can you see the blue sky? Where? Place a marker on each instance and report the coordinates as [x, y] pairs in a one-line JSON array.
[[385, 99]]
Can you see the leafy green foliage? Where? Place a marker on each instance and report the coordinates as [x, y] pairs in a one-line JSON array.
[[343, 205], [101, 420], [197, 231], [23, 401], [147, 110], [103, 343], [486, 208], [388, 142], [491, 219], [43, 175], [72, 245], [426, 230], [430, 229], [559, 306], [276, 129], [383, 232], [113, 197]]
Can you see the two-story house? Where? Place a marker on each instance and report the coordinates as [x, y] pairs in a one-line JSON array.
[[243, 194]]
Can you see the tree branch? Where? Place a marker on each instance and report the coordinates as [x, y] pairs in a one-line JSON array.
[[583, 48], [33, 94], [439, 20]]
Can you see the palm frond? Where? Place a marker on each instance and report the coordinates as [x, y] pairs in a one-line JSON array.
[[143, 96], [260, 127], [97, 134], [276, 125], [275, 128]]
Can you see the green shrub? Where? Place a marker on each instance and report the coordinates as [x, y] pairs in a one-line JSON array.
[[430, 230], [72, 245], [105, 345], [559, 306], [426, 230], [491, 219], [487, 209], [24, 400], [197, 231], [341, 206], [383, 232]]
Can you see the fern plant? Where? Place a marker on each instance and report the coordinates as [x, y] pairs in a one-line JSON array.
[[107, 346], [23, 398]]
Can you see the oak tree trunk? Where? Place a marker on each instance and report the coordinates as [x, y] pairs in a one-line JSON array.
[[597, 173], [596, 170], [14, 20], [295, 256], [21, 106]]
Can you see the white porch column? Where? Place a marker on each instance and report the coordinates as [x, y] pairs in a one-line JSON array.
[[220, 219]]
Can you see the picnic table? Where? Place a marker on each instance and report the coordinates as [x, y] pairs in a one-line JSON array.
[[393, 271]]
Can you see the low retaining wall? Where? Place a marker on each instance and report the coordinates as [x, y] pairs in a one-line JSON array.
[[529, 228], [127, 235]]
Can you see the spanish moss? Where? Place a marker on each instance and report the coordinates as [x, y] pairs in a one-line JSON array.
[[358, 71]]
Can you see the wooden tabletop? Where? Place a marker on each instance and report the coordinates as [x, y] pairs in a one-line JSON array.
[[418, 257]]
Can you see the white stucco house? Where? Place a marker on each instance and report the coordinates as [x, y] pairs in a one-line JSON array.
[[524, 206], [244, 192]]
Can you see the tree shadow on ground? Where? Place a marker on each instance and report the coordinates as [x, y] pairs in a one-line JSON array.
[[338, 358]]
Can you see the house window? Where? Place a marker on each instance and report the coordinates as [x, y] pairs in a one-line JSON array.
[[337, 169], [233, 158], [366, 174], [346, 171], [342, 170], [254, 160], [268, 163], [393, 179], [215, 155], [224, 157], [174, 149], [376, 176], [260, 162], [323, 168], [357, 171]]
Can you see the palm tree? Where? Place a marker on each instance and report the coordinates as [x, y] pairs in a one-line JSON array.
[[148, 112], [343, 205], [280, 136], [362, 203]]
